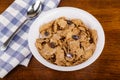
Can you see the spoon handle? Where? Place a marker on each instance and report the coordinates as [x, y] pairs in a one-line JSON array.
[[7, 42]]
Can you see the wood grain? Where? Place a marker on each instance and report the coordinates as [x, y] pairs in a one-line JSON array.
[[107, 67]]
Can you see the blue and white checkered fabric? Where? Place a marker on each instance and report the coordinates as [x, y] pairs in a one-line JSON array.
[[18, 51]]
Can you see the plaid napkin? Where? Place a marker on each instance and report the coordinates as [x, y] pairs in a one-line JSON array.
[[18, 51]]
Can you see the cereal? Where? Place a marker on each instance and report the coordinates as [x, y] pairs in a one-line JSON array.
[[66, 42]]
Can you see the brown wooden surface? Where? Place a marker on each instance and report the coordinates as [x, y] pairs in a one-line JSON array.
[[107, 67]]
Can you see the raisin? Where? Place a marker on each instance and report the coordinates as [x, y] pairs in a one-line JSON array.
[[69, 22], [91, 40], [52, 45], [58, 27], [69, 55], [53, 58], [62, 38], [46, 33], [80, 45], [75, 37], [43, 43]]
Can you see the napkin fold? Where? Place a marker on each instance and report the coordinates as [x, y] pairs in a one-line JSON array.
[[18, 51]]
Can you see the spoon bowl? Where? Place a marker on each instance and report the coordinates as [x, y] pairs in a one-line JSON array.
[[34, 10]]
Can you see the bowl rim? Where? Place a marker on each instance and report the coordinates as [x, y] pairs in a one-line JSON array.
[[69, 68]]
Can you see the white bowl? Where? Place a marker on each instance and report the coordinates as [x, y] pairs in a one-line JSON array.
[[68, 12]]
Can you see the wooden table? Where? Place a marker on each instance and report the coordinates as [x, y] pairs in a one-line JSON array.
[[107, 67]]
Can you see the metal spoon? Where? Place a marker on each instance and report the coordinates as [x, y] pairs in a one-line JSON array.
[[33, 12]]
